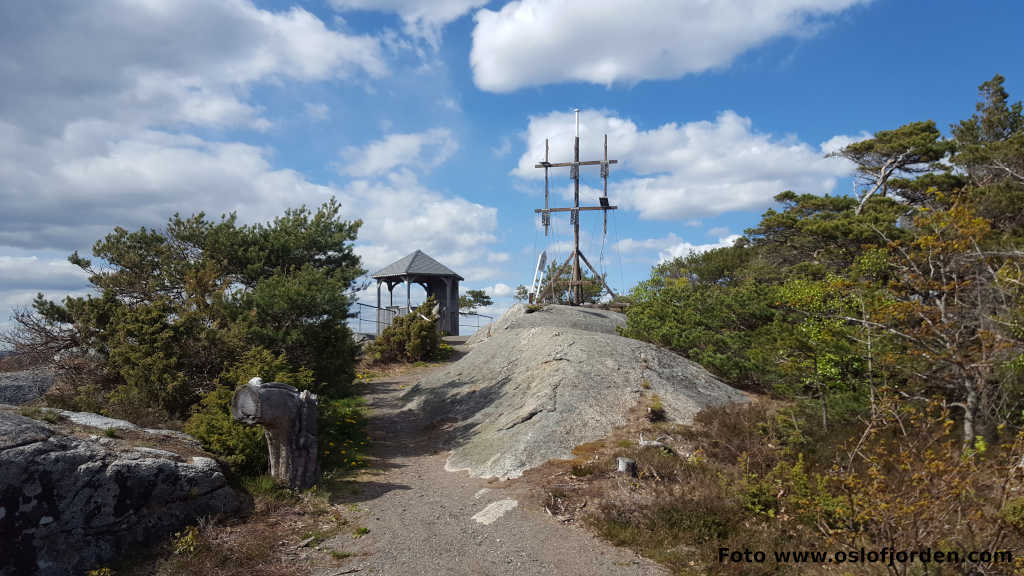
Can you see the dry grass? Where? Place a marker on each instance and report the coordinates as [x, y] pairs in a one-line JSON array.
[[641, 513], [683, 504], [367, 371], [284, 536], [734, 480], [16, 362]]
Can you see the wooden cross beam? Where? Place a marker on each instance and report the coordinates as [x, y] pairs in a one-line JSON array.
[[580, 209], [582, 163]]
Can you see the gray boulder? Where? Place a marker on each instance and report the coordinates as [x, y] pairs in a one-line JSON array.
[[538, 386], [69, 504], [23, 386]]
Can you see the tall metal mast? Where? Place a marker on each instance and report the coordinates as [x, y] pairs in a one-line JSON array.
[[576, 283]]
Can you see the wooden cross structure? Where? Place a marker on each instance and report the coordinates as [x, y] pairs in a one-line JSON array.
[[577, 282]]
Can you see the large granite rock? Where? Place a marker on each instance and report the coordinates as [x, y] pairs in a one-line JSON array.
[[24, 386], [539, 384], [69, 503], [518, 317]]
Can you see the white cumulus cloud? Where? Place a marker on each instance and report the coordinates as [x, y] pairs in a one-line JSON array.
[[681, 249], [422, 150], [671, 246], [537, 42], [104, 120], [32, 272], [421, 19], [401, 215], [318, 111], [499, 290], [182, 62], [684, 171]]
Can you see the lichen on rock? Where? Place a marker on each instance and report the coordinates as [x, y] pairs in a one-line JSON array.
[[70, 503]]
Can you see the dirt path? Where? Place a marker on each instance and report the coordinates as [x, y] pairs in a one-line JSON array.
[[423, 520]]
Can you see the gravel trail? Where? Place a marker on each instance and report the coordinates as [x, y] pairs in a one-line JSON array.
[[423, 520]]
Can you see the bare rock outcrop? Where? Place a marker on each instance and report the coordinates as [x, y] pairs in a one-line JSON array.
[[574, 317], [24, 386], [70, 501], [542, 383]]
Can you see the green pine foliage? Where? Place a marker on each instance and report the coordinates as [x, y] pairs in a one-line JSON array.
[[474, 299], [183, 315], [176, 307], [242, 447], [888, 332]]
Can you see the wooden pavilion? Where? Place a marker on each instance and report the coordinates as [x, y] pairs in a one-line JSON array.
[[435, 278]]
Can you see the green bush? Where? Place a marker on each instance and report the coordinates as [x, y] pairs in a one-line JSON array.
[[340, 421], [241, 446], [1013, 513], [410, 338], [341, 434]]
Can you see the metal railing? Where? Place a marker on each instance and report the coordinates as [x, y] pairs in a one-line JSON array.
[[370, 319], [477, 325]]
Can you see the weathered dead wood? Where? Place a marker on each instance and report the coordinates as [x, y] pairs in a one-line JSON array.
[[652, 443], [288, 418]]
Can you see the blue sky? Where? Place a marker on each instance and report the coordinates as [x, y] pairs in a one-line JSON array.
[[424, 118]]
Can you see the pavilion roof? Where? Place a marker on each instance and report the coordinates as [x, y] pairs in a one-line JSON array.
[[417, 263]]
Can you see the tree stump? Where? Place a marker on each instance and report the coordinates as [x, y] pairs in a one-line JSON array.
[[288, 418], [626, 466]]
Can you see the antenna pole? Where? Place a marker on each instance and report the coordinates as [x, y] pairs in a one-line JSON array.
[[577, 286], [604, 177], [576, 282], [545, 217]]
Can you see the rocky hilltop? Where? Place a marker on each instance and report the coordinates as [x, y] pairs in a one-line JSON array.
[[72, 500], [536, 385]]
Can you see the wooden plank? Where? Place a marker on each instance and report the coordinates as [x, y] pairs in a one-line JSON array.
[[587, 262], [565, 164], [581, 209]]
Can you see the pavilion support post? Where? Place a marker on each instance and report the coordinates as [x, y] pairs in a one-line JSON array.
[[447, 310], [408, 297], [454, 303], [378, 311]]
